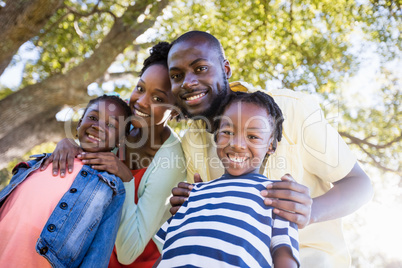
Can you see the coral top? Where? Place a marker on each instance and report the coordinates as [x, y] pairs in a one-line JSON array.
[[151, 252], [25, 213]]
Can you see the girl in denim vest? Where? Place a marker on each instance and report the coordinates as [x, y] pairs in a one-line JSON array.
[[48, 220]]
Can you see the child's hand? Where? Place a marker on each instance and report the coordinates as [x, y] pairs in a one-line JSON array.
[[290, 199], [65, 152], [181, 193], [107, 161]]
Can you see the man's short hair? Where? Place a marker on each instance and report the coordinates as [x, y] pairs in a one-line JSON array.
[[213, 42]]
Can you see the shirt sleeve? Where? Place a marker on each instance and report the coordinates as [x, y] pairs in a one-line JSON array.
[[323, 151], [285, 234], [161, 234], [141, 221], [187, 150]]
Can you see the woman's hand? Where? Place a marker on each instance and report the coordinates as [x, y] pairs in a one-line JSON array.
[[65, 152], [181, 193], [107, 161], [290, 199]]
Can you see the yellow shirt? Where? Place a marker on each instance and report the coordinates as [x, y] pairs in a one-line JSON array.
[[311, 151]]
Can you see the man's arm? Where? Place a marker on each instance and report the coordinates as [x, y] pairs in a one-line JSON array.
[[326, 160], [346, 196]]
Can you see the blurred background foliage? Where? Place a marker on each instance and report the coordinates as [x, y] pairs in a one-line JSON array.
[[346, 53]]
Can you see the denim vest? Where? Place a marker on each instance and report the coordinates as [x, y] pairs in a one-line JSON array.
[[82, 229]]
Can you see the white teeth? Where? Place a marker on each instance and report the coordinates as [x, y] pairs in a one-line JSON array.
[[140, 113], [93, 137], [195, 97], [237, 159]]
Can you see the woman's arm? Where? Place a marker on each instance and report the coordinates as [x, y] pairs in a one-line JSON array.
[[141, 221], [109, 162], [63, 155]]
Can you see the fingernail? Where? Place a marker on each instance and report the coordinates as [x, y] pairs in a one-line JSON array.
[[79, 156], [268, 201], [269, 185], [70, 170], [264, 192], [55, 173], [84, 161], [62, 174]]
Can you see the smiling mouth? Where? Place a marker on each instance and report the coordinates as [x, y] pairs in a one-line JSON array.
[[236, 159], [93, 137], [141, 114], [195, 97]]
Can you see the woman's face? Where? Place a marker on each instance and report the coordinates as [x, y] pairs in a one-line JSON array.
[[152, 101]]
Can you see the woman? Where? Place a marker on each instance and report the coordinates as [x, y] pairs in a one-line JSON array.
[[152, 154]]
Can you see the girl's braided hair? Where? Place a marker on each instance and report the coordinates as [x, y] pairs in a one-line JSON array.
[[260, 99]]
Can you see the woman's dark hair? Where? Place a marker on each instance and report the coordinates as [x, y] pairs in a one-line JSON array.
[[260, 99], [158, 55], [119, 102]]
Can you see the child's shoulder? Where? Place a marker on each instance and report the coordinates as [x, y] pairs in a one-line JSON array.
[[253, 178], [34, 160]]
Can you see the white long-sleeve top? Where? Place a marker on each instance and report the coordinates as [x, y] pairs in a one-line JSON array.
[[141, 221]]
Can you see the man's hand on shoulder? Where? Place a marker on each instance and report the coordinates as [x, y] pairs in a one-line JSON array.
[[290, 200], [181, 193]]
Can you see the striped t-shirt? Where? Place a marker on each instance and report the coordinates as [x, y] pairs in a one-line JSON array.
[[225, 223]]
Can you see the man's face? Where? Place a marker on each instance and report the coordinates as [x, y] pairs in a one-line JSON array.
[[198, 76]]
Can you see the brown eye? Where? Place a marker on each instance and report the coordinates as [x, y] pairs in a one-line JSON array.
[[174, 76], [158, 99], [202, 68], [227, 132], [111, 125]]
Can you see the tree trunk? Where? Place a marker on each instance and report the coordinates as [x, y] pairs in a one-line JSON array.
[[20, 20], [44, 129], [47, 97]]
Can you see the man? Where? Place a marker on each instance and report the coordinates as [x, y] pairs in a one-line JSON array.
[[313, 153]]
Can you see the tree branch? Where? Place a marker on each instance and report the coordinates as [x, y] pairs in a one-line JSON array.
[[378, 164], [107, 77], [28, 104], [20, 20], [46, 129], [358, 141]]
